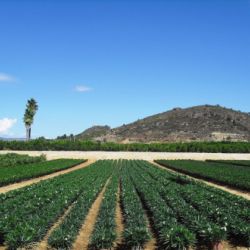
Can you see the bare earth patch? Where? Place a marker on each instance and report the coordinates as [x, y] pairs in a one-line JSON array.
[[119, 219], [151, 244], [149, 156], [10, 187]]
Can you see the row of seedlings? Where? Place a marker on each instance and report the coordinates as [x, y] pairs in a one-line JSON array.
[[207, 233], [66, 233], [244, 163], [229, 212], [104, 234], [170, 233], [27, 217], [18, 173], [136, 232], [238, 206], [225, 174]]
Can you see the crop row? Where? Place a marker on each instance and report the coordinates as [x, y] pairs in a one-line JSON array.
[[66, 233], [78, 145], [170, 232], [27, 214], [136, 232], [18, 173], [232, 162], [230, 175], [181, 212], [209, 214], [104, 234], [11, 160]]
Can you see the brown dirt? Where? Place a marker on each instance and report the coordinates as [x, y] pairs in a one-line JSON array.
[[119, 219], [227, 189], [82, 240], [10, 187], [228, 246], [151, 244]]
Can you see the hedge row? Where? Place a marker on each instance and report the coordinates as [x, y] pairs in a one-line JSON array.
[[67, 145]]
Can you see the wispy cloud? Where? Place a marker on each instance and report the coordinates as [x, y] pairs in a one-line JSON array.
[[82, 88], [6, 124], [6, 78]]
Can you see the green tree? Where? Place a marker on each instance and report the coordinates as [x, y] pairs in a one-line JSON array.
[[30, 111]]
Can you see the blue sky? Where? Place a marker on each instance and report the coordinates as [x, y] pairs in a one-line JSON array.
[[112, 62]]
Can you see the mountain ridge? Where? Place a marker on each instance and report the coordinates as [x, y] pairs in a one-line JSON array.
[[198, 123]]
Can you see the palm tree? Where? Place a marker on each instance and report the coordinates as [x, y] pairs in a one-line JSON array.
[[30, 111]]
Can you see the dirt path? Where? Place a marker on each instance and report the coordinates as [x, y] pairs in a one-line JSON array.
[[151, 244], [227, 189], [119, 219], [148, 156], [82, 240], [10, 187]]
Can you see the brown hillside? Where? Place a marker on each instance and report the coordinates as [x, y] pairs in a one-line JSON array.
[[200, 123]]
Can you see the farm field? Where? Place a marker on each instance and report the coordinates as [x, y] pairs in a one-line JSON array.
[[155, 205], [10, 173], [235, 176]]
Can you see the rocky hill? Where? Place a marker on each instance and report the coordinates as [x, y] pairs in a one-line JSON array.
[[200, 123], [94, 132]]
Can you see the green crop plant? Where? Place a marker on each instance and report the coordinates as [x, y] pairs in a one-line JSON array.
[[54, 196], [244, 163], [226, 174], [104, 234], [136, 232], [11, 160], [65, 234], [228, 212], [18, 173]]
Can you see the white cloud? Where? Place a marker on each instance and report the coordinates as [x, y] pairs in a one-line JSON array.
[[6, 78], [82, 88], [6, 124]]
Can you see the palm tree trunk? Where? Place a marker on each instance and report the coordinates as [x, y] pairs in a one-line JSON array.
[[28, 133]]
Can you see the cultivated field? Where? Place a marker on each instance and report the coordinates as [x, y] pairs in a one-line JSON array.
[[19, 172], [122, 204]]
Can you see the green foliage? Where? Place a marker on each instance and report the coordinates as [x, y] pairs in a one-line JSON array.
[[22, 172], [182, 212], [210, 213], [64, 235], [226, 174], [27, 214], [165, 223], [10, 160], [232, 162], [135, 232], [78, 145], [30, 111], [104, 234]]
